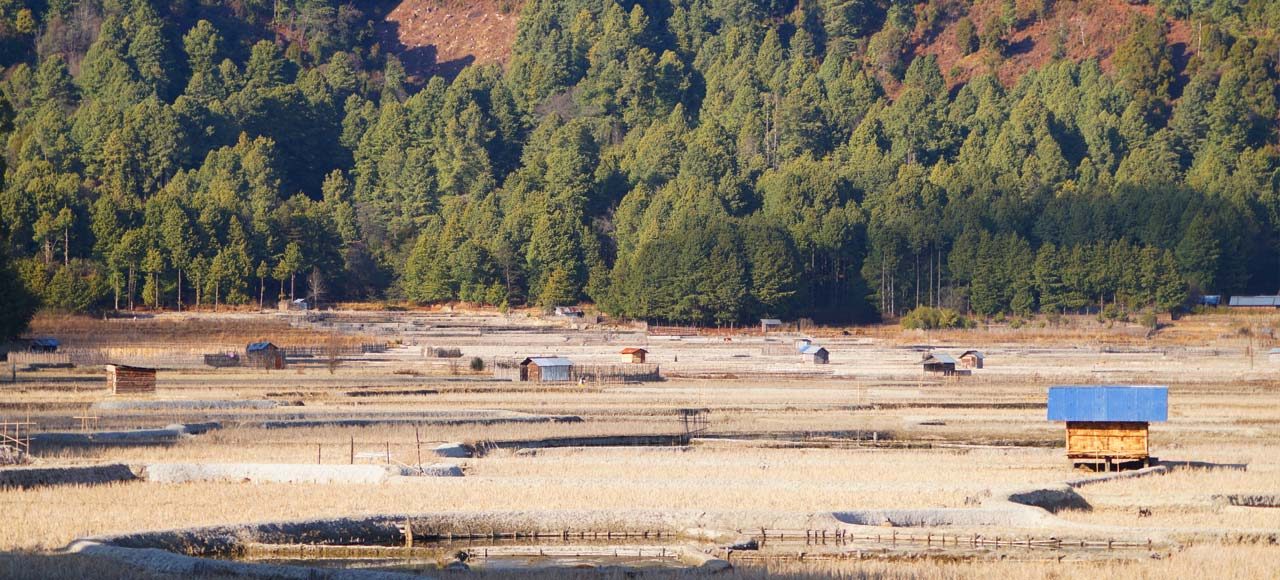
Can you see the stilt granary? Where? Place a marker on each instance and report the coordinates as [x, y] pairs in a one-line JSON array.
[[1107, 426]]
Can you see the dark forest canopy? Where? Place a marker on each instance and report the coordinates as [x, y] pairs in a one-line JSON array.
[[703, 161]]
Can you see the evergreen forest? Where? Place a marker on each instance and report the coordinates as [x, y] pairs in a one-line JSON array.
[[684, 161]]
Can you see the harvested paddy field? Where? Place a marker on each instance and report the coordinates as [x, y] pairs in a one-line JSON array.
[[867, 465]]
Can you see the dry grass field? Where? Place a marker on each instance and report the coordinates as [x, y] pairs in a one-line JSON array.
[[868, 431]]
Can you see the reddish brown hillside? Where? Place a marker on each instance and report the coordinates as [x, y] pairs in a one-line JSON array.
[[442, 36], [1090, 28]]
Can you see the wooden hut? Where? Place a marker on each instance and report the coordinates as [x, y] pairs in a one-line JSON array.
[[264, 355], [814, 354], [633, 355], [767, 324], [127, 380], [971, 359], [546, 369], [939, 364], [299, 305], [570, 312], [1108, 426]]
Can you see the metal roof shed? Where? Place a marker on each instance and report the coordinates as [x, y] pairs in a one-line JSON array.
[[546, 369], [1108, 425], [815, 354], [939, 363], [44, 344]]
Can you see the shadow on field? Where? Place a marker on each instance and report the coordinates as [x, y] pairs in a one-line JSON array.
[[40, 566]]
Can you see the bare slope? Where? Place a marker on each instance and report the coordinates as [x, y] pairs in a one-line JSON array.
[[443, 36], [1089, 29]]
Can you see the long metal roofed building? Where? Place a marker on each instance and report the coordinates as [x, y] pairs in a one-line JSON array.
[[1254, 302], [1108, 425]]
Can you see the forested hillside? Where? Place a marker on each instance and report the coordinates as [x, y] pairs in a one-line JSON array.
[[702, 161]]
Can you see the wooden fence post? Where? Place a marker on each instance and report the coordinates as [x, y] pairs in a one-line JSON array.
[[417, 439]]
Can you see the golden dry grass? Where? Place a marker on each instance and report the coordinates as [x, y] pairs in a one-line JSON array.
[[1226, 408], [189, 330]]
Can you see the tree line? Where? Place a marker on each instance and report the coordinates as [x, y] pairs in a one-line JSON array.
[[703, 161]]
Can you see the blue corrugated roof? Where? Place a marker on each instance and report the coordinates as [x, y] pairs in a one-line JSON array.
[[45, 342], [1109, 403], [811, 349], [550, 361], [258, 346]]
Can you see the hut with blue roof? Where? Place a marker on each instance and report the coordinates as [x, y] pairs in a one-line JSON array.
[[1108, 425], [264, 355], [546, 369], [814, 354], [44, 345]]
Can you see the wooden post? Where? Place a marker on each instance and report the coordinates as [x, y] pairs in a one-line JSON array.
[[317, 454], [417, 439], [353, 450]]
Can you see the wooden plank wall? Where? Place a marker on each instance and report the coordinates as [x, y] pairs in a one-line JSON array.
[[1098, 440], [131, 381]]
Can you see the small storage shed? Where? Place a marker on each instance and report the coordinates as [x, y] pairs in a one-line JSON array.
[[127, 380], [264, 355], [815, 354], [1108, 425], [43, 345], [298, 305], [803, 344], [546, 369], [570, 312], [767, 324], [939, 364], [971, 359], [634, 355]]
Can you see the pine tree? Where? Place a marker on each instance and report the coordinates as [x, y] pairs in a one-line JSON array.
[[20, 304]]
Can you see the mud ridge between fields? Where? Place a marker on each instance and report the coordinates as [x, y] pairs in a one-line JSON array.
[[178, 473], [184, 551]]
